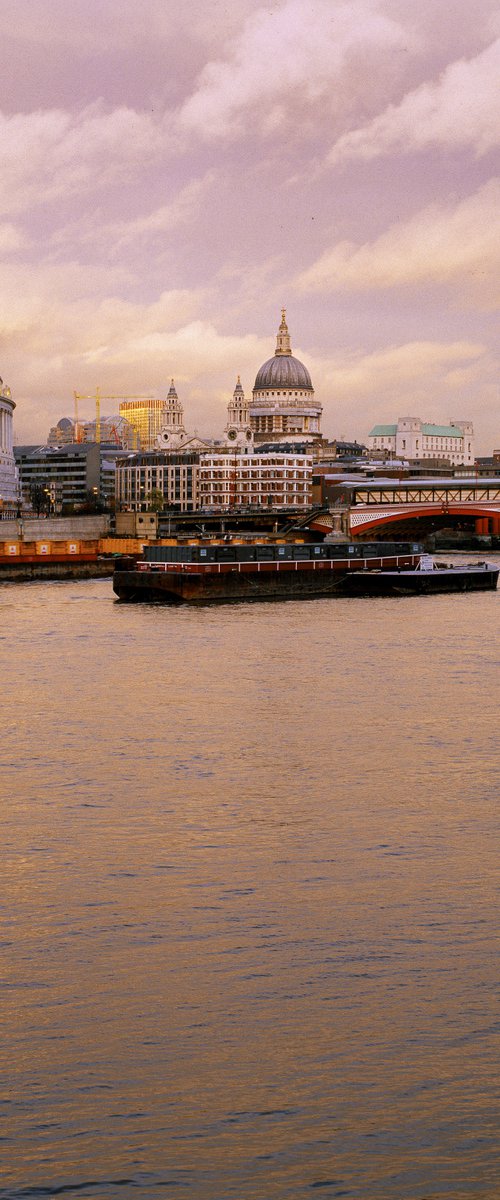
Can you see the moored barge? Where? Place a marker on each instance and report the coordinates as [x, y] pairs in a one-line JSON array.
[[428, 579], [198, 574]]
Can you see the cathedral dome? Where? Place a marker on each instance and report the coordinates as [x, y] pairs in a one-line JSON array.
[[283, 407], [283, 371]]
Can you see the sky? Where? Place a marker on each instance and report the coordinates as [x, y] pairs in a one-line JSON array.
[[173, 174]]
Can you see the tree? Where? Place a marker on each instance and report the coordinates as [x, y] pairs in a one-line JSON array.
[[40, 496], [155, 500]]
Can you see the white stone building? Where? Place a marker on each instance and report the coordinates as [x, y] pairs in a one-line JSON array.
[[417, 440], [9, 489]]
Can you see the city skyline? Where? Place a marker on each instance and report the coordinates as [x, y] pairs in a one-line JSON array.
[[171, 179]]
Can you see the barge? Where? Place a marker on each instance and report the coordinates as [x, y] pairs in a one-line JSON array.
[[198, 574], [428, 579]]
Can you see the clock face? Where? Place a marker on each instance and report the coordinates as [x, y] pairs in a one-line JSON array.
[[231, 434]]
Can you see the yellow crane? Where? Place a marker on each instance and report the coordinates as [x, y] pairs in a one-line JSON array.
[[97, 397]]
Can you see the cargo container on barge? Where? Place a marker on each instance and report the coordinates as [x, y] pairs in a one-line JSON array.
[[202, 574]]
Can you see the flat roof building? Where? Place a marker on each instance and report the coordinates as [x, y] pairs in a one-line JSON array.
[[141, 478], [65, 475], [274, 478]]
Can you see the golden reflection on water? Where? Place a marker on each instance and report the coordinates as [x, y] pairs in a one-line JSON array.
[[250, 896]]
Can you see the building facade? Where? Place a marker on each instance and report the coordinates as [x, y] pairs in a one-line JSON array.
[[283, 480], [58, 478], [417, 440], [8, 473], [140, 477], [283, 406], [145, 414]]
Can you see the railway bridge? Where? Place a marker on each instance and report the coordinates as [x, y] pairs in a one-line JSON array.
[[417, 507]]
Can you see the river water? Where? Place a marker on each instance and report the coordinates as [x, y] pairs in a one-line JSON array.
[[249, 897]]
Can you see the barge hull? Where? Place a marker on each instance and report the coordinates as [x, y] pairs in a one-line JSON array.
[[302, 580], [425, 583]]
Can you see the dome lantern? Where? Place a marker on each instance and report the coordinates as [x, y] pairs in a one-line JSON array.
[[283, 339]]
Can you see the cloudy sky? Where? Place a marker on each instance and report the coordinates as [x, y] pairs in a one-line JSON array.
[[172, 174]]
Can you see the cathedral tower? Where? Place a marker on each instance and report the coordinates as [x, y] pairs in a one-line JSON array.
[[238, 431], [172, 434]]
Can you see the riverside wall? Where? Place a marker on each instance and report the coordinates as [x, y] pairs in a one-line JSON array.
[[21, 572], [55, 529], [77, 547]]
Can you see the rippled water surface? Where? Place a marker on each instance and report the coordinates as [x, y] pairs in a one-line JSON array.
[[249, 898]]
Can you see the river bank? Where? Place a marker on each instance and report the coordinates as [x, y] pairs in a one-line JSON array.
[[21, 572]]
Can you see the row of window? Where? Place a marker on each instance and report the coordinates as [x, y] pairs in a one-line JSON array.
[[280, 484], [255, 475], [248, 494], [257, 461], [270, 424], [451, 446], [281, 395]]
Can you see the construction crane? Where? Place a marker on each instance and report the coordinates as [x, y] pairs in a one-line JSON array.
[[97, 400], [97, 397], [77, 425]]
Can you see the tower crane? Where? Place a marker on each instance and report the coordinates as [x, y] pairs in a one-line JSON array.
[[97, 397]]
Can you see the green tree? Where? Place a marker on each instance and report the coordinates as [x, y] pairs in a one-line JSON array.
[[40, 496], [155, 500]]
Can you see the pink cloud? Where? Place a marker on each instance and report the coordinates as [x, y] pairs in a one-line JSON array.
[[460, 109], [442, 244], [281, 52], [50, 154]]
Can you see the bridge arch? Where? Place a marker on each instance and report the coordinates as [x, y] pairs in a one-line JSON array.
[[484, 517]]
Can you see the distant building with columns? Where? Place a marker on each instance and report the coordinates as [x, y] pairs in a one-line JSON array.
[[416, 440], [8, 472]]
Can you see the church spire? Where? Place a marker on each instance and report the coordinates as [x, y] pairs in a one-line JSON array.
[[172, 433], [238, 431], [283, 339]]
